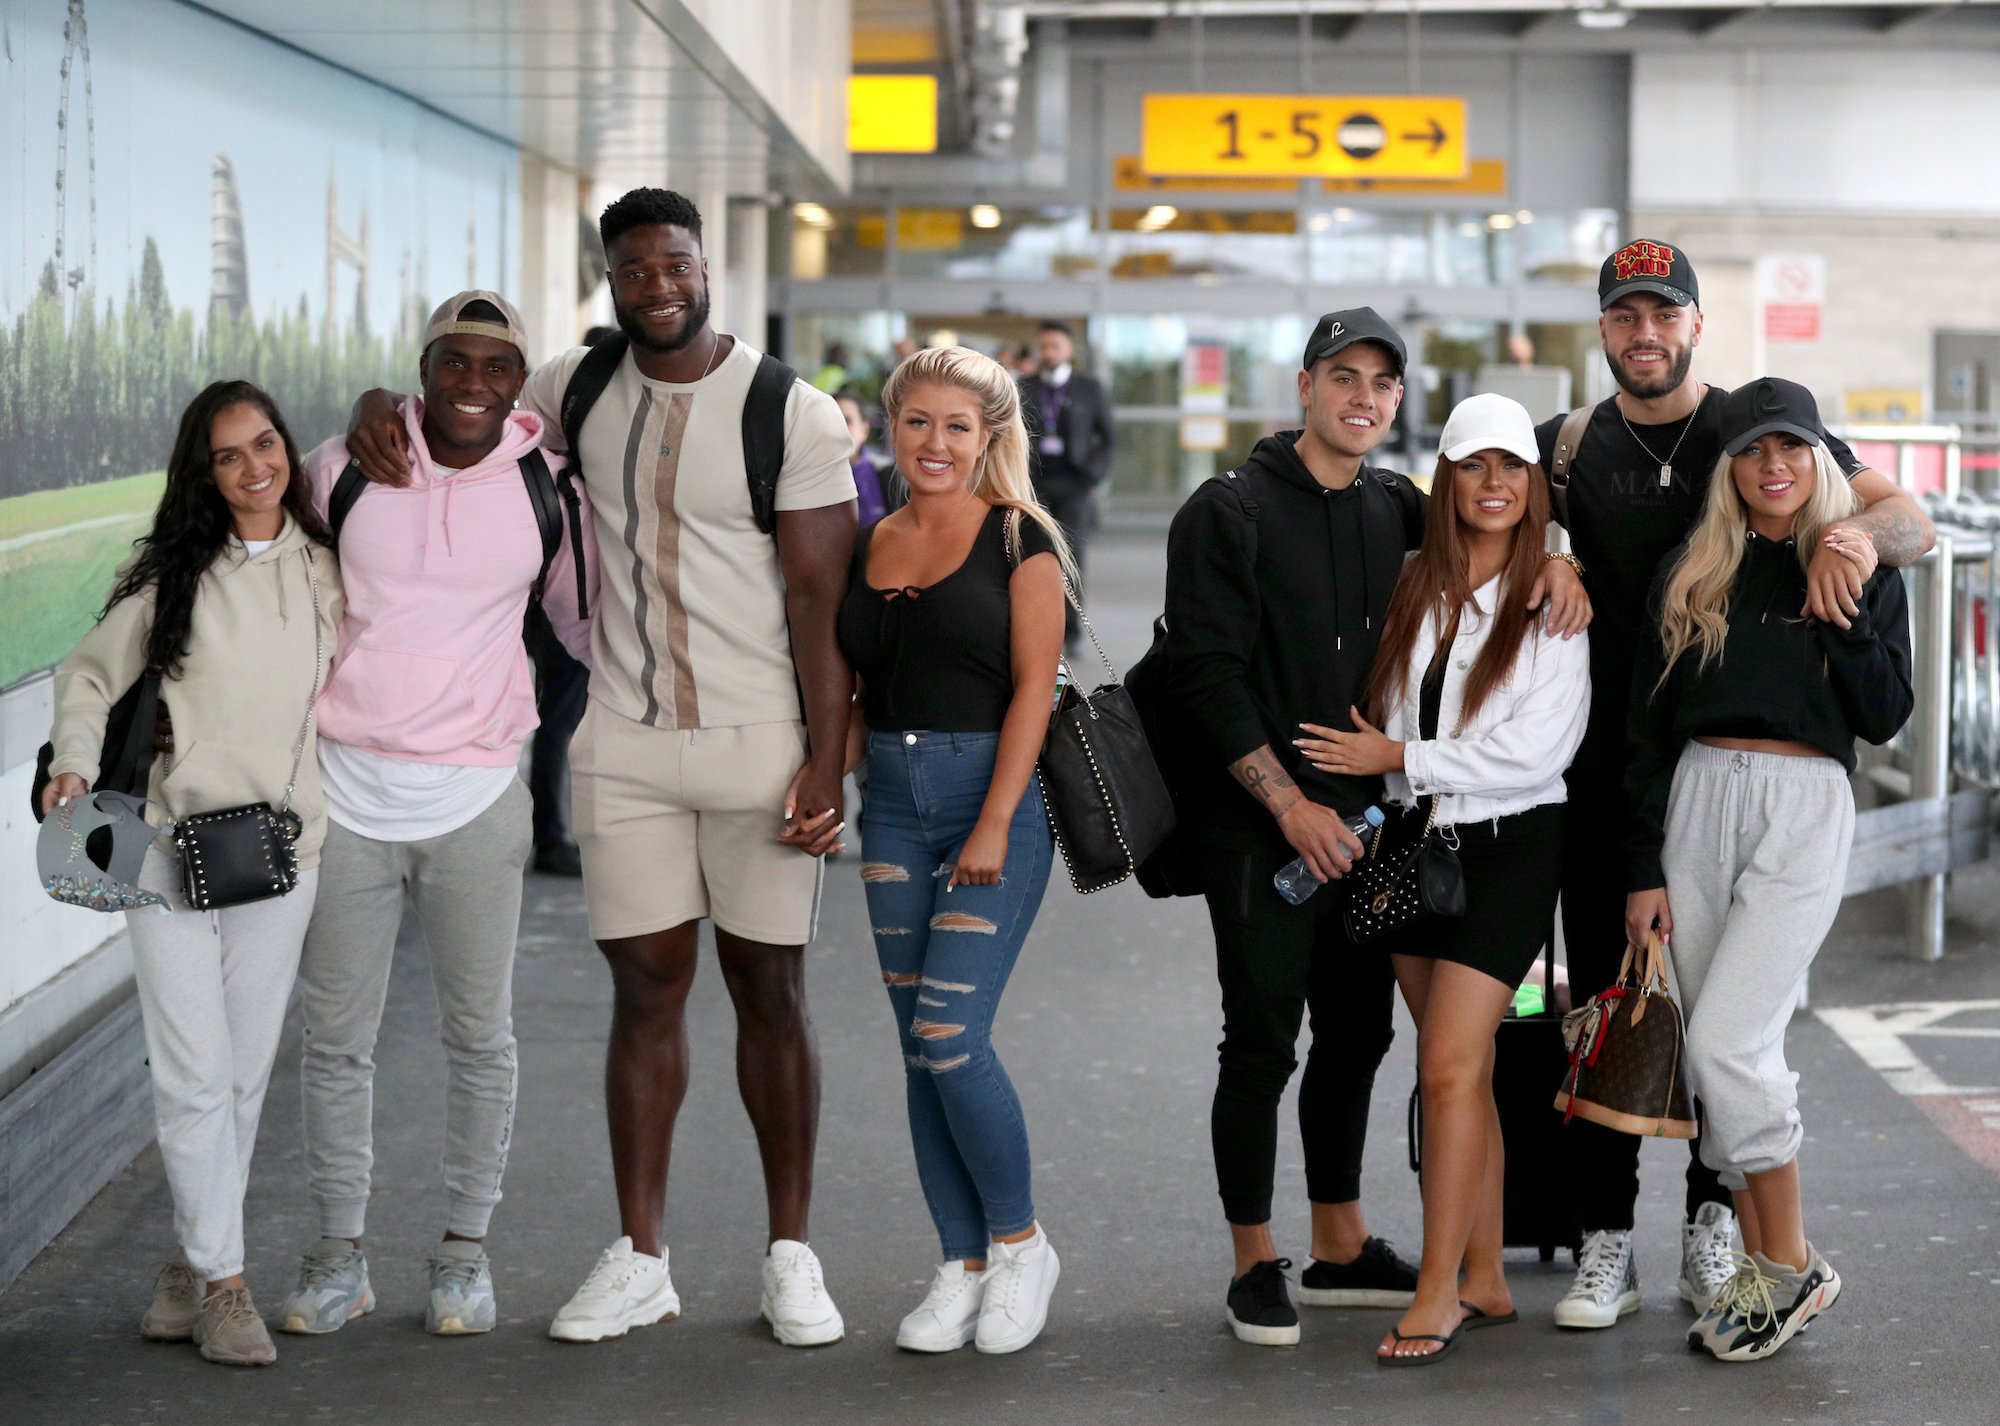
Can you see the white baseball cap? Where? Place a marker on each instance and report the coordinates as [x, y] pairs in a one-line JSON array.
[[1489, 422]]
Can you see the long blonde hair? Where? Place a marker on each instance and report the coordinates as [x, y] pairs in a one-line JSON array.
[[1694, 612], [1001, 477]]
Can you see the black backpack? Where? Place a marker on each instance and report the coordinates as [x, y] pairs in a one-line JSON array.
[[763, 419], [547, 493]]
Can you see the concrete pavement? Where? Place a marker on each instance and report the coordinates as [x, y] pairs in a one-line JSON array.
[[1109, 1029]]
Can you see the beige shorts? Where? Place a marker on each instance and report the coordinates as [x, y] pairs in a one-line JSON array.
[[678, 825]]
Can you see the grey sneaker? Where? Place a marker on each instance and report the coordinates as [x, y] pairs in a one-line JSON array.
[[461, 1298], [1707, 1256], [229, 1330], [176, 1304], [333, 1289], [1607, 1282], [1764, 1306]]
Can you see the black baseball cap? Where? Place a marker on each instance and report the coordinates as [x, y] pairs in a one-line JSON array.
[[1769, 404], [1337, 331], [1643, 265]]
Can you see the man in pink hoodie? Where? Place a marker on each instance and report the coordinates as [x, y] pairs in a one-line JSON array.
[[427, 705]]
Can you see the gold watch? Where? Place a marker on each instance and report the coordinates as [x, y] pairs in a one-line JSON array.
[[1571, 560]]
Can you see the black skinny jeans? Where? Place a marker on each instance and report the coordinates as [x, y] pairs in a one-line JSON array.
[[1603, 1163], [1276, 962]]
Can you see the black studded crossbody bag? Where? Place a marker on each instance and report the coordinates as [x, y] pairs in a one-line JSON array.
[[250, 853], [1395, 885]]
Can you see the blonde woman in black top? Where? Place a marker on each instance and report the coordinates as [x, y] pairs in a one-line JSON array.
[[953, 623], [1745, 711]]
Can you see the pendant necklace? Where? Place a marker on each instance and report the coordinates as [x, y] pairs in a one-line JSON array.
[[1667, 465]]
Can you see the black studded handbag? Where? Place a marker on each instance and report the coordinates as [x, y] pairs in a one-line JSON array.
[[1108, 806], [250, 853], [1403, 880]]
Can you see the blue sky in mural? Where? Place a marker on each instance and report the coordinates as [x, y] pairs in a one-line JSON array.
[[172, 87]]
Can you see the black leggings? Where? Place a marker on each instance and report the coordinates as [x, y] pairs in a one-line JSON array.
[[1603, 1163], [1276, 962]]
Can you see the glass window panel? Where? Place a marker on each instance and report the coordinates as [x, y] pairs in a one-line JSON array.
[[1163, 241], [1033, 244], [836, 242]]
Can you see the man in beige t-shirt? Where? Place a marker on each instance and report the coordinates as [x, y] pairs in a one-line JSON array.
[[705, 777]]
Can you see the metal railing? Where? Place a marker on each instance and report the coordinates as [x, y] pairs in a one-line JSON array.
[[1943, 769]]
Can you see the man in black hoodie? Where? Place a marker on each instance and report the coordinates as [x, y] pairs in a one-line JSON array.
[[1279, 575]]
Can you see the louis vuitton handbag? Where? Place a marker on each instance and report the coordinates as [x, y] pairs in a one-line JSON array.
[[1628, 1053]]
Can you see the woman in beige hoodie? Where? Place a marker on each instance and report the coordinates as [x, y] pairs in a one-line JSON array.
[[222, 598]]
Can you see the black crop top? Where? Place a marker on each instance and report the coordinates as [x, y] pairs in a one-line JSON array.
[[1781, 676], [938, 658]]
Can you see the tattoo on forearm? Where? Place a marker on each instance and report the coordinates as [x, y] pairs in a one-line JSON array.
[[1897, 530], [1265, 779]]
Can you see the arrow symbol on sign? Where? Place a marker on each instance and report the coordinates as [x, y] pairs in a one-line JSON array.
[[1435, 137]]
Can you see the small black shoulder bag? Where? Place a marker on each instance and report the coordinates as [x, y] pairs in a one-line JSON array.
[[250, 853]]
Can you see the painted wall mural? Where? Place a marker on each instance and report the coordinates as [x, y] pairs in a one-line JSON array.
[[182, 200]]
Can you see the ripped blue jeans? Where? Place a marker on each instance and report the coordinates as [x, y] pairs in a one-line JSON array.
[[946, 957]]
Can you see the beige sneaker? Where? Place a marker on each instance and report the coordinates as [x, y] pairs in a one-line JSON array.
[[230, 1331], [176, 1304]]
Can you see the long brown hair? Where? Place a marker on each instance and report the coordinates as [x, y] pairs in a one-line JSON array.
[[1437, 580]]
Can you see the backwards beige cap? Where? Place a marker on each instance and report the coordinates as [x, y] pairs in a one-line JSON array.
[[445, 322]]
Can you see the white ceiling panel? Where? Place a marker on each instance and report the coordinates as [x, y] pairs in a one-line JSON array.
[[600, 86]]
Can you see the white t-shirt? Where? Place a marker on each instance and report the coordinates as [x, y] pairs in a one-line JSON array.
[[690, 628], [394, 800], [253, 548]]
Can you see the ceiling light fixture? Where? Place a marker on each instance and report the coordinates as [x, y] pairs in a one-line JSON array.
[[1607, 15], [985, 215]]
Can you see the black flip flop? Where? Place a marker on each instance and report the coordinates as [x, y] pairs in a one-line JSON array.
[[1477, 1317], [1427, 1358]]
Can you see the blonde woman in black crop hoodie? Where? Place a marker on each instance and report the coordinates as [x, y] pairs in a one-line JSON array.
[[1745, 712]]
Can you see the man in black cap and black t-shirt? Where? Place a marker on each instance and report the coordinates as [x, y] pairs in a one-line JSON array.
[[1279, 575], [1632, 491]]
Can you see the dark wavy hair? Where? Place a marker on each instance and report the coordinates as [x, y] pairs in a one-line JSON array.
[[193, 524], [645, 206]]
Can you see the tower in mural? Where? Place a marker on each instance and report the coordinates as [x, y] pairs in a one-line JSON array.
[[342, 248], [229, 272], [76, 48]]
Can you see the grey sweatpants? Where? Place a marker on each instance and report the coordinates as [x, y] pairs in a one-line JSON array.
[[1756, 861], [466, 887], [213, 988]]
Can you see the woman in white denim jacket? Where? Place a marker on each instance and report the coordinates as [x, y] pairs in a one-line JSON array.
[[1478, 730]]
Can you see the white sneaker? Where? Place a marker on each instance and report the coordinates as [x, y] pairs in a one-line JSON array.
[[1020, 1279], [795, 1300], [948, 1316], [625, 1290], [1708, 1256], [1607, 1282]]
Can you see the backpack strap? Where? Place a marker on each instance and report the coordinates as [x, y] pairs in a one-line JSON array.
[[547, 505], [1569, 437], [764, 437], [586, 384], [346, 490]]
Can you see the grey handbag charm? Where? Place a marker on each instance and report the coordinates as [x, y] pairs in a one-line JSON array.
[[90, 849]]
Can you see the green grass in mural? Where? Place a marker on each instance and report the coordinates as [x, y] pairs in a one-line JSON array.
[[53, 577]]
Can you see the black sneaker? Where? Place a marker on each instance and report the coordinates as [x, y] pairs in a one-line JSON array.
[[1763, 1307], [558, 859], [1376, 1278], [1260, 1307]]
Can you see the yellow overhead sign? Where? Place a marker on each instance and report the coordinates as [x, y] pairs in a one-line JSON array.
[[892, 113], [1484, 177], [1304, 136]]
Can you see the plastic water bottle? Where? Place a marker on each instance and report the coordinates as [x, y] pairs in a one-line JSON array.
[[1296, 882]]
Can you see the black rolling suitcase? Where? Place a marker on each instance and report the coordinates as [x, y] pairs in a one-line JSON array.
[[1529, 1061]]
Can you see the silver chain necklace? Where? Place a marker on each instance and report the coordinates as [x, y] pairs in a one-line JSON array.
[[1667, 465]]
